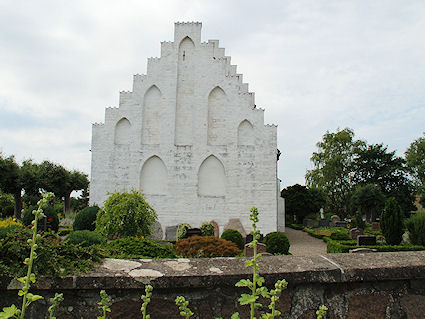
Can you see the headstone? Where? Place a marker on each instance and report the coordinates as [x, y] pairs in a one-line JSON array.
[[355, 232], [310, 223], [322, 214], [249, 251], [380, 238], [249, 238], [156, 231], [171, 233], [323, 223], [235, 223], [305, 222], [361, 250], [193, 232], [216, 228], [376, 226], [335, 218], [366, 240], [341, 224]]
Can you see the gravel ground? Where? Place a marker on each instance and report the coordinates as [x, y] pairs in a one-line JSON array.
[[302, 244]]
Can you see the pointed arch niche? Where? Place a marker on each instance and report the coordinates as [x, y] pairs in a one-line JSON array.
[[216, 117], [185, 92], [122, 132], [152, 113], [154, 177], [211, 178], [245, 133]]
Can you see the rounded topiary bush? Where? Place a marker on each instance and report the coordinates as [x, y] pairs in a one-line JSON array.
[[340, 236], [86, 219], [136, 247], [207, 229], [86, 238], [182, 230], [51, 215], [200, 246], [234, 236], [125, 215], [276, 243]]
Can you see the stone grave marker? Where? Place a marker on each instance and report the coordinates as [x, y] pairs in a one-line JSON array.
[[335, 218], [366, 240], [249, 238], [341, 224], [156, 231], [261, 249], [193, 232], [216, 228], [355, 232], [323, 223], [235, 223], [171, 232], [376, 226]]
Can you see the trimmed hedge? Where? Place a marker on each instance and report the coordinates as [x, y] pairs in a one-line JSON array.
[[86, 219], [296, 226], [276, 243], [340, 236], [136, 247], [86, 238], [334, 246], [207, 229], [234, 236]]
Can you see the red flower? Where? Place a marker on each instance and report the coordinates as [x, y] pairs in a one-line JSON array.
[[50, 219]]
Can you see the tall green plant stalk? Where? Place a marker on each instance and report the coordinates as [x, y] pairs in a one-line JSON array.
[[104, 304], [146, 299]]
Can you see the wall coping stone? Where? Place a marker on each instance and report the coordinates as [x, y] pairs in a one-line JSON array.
[[208, 272]]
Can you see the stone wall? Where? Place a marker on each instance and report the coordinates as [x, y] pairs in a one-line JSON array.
[[376, 285]]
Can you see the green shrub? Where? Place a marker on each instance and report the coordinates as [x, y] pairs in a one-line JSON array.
[[9, 229], [334, 246], [86, 219], [198, 246], [296, 226], [7, 205], [51, 215], [136, 247], [207, 229], [358, 221], [86, 238], [340, 236], [392, 222], [276, 243], [416, 227], [125, 215], [54, 258], [234, 236], [182, 230]]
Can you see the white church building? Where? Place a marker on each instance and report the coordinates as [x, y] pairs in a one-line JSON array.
[[190, 137]]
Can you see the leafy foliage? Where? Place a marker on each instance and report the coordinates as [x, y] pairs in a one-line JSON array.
[[6, 205], [340, 236], [136, 247], [302, 201], [48, 210], [392, 222], [182, 230], [337, 247], [124, 215], [234, 236], [198, 246], [415, 157], [358, 221], [276, 243], [416, 227], [86, 238], [9, 222], [207, 229], [86, 218], [368, 200], [334, 167]]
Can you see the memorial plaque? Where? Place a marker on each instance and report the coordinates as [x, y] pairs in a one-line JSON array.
[[171, 233], [355, 232], [366, 240], [249, 252], [323, 223], [193, 232], [341, 224]]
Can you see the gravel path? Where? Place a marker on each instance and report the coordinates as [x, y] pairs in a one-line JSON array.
[[302, 244]]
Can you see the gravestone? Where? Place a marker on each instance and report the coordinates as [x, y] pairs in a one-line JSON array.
[[261, 249], [305, 222], [323, 223], [335, 218], [249, 238], [376, 226], [216, 228], [341, 224], [310, 223], [355, 232], [156, 231], [193, 232], [171, 232], [366, 240], [235, 223]]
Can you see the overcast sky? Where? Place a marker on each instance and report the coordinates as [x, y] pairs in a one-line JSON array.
[[313, 65]]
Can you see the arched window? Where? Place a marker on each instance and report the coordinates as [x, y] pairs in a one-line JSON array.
[[245, 133], [122, 132], [216, 117], [152, 113], [211, 178], [154, 177]]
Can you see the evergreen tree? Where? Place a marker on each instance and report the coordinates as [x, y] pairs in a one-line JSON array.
[[392, 222]]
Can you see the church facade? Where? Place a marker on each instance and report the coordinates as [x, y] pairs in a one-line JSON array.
[[190, 137]]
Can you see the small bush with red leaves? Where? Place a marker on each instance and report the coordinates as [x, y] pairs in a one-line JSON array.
[[208, 246]]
